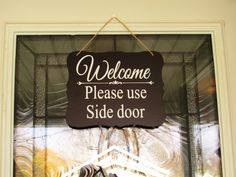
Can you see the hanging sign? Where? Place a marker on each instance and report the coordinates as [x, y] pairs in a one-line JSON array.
[[115, 89]]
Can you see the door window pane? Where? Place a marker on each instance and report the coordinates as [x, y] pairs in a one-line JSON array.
[[186, 144]]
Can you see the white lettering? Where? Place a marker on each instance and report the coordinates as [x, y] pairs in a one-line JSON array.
[[89, 107], [123, 112], [91, 92], [136, 94], [99, 112], [96, 73]]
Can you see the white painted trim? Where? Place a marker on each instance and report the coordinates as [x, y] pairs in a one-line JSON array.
[[8, 70], [223, 103]]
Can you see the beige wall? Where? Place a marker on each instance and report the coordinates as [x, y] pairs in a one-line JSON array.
[[76, 11]]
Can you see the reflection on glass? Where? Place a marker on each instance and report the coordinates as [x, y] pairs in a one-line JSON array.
[[187, 144]]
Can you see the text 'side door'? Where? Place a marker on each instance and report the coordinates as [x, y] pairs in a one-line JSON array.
[[115, 110]]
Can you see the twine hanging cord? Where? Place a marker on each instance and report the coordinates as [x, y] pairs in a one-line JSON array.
[[125, 26]]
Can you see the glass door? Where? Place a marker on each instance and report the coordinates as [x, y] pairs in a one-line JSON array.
[[186, 144]]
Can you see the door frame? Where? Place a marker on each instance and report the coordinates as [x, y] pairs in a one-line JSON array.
[[7, 79]]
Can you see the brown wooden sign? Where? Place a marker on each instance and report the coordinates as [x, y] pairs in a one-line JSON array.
[[115, 89]]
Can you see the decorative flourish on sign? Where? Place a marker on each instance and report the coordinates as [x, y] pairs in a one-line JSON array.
[[115, 82]]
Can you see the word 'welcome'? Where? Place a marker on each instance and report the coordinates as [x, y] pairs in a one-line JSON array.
[[83, 68]]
